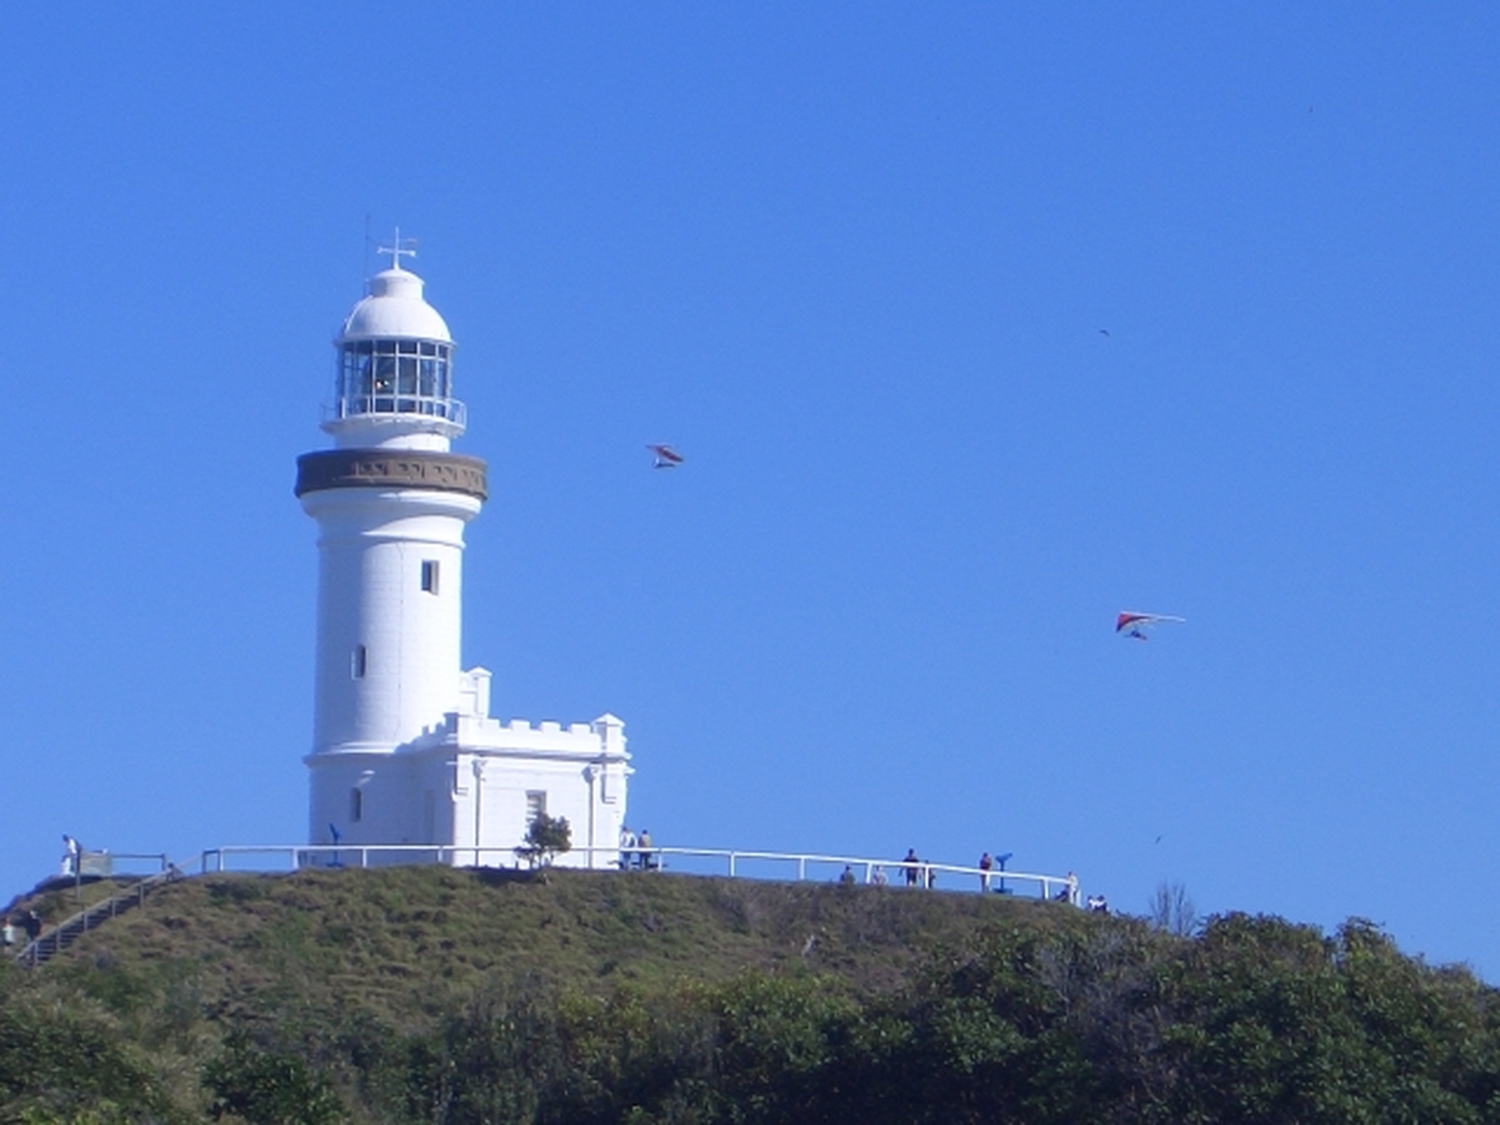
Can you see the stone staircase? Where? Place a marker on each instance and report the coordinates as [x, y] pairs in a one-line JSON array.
[[48, 945]]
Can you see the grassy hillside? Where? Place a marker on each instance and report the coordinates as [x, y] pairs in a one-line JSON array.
[[404, 943], [435, 995]]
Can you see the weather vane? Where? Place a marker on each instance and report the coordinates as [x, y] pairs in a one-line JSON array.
[[399, 246]]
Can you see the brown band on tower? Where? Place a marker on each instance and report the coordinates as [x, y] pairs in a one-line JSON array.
[[396, 468]]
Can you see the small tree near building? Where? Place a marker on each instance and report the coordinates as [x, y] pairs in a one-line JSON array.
[[546, 839]]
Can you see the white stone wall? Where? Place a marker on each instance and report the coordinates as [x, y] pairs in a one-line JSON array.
[[583, 770], [371, 548], [471, 792]]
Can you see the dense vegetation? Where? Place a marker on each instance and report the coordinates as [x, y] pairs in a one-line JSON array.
[[431, 995]]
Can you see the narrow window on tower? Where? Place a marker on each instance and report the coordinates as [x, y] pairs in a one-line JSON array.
[[430, 575], [536, 805], [357, 661], [356, 805]]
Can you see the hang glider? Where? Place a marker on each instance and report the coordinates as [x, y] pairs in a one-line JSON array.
[[1135, 625], [664, 457]]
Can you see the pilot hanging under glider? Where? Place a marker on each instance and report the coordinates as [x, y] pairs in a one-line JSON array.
[[664, 457], [1135, 625]]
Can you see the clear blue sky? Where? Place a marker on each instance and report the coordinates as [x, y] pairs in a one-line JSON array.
[[853, 260]]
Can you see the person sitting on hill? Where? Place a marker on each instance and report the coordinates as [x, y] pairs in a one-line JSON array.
[[847, 879]]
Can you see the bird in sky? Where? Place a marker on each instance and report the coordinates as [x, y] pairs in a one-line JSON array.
[[1134, 625], [1104, 331], [664, 456]]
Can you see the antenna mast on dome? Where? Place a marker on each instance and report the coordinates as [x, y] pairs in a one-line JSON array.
[[399, 246]]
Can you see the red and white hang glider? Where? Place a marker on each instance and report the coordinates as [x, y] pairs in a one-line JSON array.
[[664, 457], [1134, 625]]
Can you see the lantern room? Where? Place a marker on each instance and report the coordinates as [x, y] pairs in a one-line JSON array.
[[394, 377]]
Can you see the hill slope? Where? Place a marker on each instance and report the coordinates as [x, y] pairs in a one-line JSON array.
[[405, 942], [429, 994]]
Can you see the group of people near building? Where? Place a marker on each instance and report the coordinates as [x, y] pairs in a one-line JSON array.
[[922, 873], [918, 872], [636, 853]]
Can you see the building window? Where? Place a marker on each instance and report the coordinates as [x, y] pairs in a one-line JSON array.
[[430, 575], [357, 662], [536, 805], [356, 805]]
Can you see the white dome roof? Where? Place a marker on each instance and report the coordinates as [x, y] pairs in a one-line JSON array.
[[394, 308]]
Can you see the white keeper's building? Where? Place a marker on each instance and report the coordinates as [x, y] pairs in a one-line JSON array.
[[404, 748]]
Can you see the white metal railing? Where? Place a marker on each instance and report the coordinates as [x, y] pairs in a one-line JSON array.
[[389, 403], [735, 863]]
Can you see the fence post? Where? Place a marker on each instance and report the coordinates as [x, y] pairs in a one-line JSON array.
[[731, 865]]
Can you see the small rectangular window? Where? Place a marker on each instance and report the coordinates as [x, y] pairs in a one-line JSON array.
[[357, 660], [356, 805], [430, 576], [536, 805]]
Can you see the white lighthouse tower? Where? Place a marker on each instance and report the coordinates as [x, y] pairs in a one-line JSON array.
[[404, 751]]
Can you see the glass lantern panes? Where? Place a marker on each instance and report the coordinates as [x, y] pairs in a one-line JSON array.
[[396, 377]]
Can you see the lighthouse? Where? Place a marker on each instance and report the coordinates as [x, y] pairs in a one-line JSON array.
[[404, 749]]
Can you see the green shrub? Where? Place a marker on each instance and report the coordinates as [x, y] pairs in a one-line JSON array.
[[268, 1087]]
